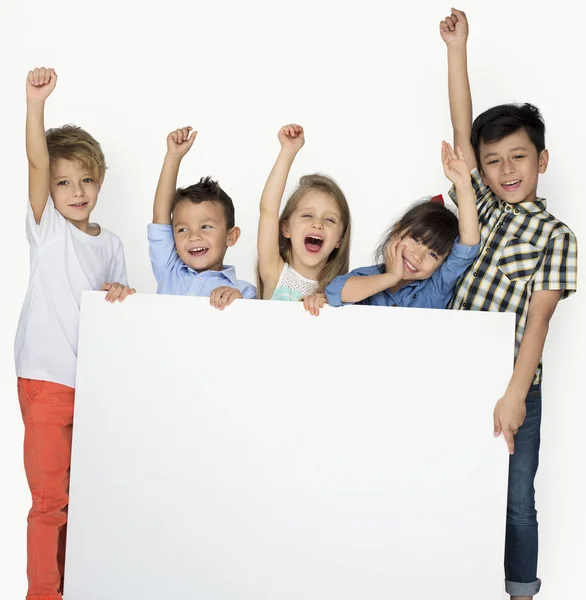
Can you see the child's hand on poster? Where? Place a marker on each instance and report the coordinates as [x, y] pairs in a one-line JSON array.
[[116, 291], [509, 415], [224, 296], [313, 303]]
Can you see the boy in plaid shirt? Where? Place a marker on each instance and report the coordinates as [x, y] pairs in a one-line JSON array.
[[528, 262]]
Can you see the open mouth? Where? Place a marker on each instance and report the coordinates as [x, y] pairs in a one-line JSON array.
[[409, 266], [511, 186], [79, 205], [313, 243], [198, 251]]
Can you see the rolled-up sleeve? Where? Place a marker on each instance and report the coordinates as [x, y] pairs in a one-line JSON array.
[[333, 290], [248, 291], [161, 249], [457, 263]]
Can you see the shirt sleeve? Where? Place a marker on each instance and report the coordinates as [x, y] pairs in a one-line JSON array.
[[559, 268], [52, 224], [118, 269], [161, 249], [333, 290], [457, 263], [248, 291], [482, 192]]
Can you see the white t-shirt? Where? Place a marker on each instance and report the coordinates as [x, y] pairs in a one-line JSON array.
[[64, 261]]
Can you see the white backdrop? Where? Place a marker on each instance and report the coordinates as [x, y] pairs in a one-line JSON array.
[[369, 85], [205, 467]]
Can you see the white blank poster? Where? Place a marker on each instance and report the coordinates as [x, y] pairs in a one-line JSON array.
[[260, 454]]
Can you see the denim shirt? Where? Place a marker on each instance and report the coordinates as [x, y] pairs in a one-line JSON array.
[[434, 292]]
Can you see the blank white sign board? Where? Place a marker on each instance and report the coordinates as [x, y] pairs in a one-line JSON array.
[[261, 453]]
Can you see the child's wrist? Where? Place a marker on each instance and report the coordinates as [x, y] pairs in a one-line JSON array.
[[515, 395], [170, 157], [457, 46], [391, 280], [464, 187], [35, 104], [289, 153]]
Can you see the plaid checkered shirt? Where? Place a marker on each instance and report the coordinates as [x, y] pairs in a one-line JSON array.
[[524, 249]]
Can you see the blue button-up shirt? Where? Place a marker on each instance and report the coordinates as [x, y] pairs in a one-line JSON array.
[[434, 292], [175, 277]]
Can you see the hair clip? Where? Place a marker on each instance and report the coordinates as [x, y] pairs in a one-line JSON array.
[[439, 199]]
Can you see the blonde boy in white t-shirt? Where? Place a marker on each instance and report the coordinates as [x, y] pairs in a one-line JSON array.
[[69, 254]]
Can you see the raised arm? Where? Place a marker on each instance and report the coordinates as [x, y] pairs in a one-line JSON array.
[[39, 85], [457, 171], [179, 143], [454, 32], [270, 262]]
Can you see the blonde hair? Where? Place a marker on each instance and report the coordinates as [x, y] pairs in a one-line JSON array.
[[74, 143], [339, 259]]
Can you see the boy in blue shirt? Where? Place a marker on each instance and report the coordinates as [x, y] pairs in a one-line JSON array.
[[191, 230]]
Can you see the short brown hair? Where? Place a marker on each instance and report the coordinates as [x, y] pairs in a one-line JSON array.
[[74, 143]]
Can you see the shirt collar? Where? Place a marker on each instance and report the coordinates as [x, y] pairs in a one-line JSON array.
[[229, 272], [523, 207]]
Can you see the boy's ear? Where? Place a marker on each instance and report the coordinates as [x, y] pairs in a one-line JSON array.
[[285, 229], [233, 236], [543, 161], [99, 184]]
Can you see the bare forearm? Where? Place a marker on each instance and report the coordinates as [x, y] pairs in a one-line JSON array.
[[530, 352], [357, 289], [467, 215], [274, 189], [36, 140], [166, 190], [459, 93]]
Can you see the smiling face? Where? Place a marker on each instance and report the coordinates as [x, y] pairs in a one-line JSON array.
[[419, 261], [315, 229], [511, 167], [74, 191], [201, 235]]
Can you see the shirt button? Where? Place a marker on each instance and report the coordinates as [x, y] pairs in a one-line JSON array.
[[516, 211], [475, 274], [414, 296], [508, 208], [487, 249], [465, 305]]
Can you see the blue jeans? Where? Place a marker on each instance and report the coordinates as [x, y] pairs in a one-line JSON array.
[[521, 543]]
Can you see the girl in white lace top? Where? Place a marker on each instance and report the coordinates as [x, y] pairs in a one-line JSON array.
[[303, 249]]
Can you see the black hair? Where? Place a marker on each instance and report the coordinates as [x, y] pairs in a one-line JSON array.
[[207, 190], [499, 121], [432, 223]]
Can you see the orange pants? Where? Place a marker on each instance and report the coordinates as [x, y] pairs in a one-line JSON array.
[[47, 412]]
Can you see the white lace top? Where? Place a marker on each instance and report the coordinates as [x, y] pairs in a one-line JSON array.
[[292, 286]]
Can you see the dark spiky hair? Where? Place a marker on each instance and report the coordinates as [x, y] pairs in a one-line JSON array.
[[207, 190]]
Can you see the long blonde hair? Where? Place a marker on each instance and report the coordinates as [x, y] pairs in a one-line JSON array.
[[339, 259]]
